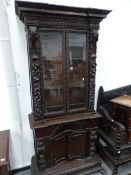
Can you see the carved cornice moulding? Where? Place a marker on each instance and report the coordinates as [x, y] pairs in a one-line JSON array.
[[24, 9]]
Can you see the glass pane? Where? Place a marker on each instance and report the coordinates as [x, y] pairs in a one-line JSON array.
[[77, 70], [52, 71]]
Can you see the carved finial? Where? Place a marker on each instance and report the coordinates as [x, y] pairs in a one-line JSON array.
[[32, 29], [33, 36]]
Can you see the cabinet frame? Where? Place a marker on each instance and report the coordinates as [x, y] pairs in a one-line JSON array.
[[75, 130]]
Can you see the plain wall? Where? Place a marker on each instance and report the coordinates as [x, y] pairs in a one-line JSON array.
[[113, 67]]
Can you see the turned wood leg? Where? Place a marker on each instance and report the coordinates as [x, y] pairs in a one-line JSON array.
[[129, 128], [115, 171], [117, 154], [103, 171], [129, 135]]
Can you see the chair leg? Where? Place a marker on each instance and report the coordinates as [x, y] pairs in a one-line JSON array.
[[103, 171], [115, 170], [117, 154]]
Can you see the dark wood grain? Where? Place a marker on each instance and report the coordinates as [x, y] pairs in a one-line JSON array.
[[64, 127]]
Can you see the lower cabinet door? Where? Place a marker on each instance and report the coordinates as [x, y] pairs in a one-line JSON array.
[[58, 145], [63, 145], [76, 145]]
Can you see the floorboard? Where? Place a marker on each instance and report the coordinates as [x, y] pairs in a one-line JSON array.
[[123, 170]]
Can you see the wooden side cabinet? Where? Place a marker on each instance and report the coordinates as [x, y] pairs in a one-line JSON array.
[[4, 153], [62, 64]]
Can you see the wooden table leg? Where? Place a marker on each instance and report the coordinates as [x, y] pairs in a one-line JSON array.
[[129, 129]]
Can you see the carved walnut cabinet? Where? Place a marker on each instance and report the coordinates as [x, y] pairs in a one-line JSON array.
[[62, 64]]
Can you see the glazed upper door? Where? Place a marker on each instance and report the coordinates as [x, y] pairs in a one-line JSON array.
[[63, 57], [76, 70], [52, 70]]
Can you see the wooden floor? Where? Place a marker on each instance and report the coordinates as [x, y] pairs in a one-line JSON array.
[[123, 170]]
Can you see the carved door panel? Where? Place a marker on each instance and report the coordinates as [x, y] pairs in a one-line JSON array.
[[58, 149], [51, 151], [48, 153], [76, 145], [69, 141]]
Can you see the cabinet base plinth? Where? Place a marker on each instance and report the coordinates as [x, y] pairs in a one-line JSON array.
[[74, 167]]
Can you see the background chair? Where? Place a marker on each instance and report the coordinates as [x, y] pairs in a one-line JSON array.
[[112, 143]]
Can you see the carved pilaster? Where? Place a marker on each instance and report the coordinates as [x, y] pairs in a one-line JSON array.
[[40, 151], [92, 66], [35, 71], [93, 138]]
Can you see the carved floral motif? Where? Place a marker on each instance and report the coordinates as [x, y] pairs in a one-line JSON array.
[[35, 71], [92, 67], [40, 149]]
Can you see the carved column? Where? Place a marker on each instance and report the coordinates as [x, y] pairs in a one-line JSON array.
[[35, 71], [40, 151], [93, 138], [93, 38]]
